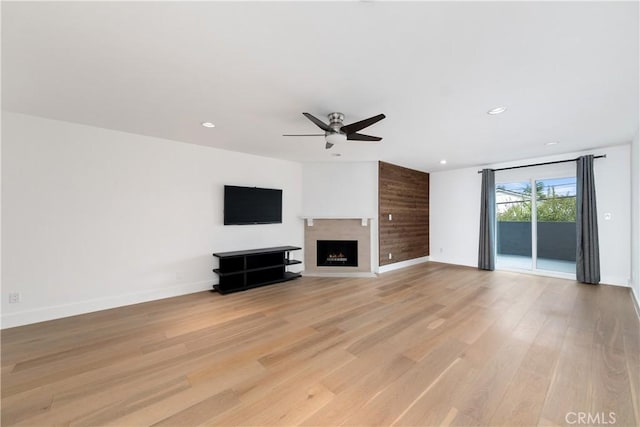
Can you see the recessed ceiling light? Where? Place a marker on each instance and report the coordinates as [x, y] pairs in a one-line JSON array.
[[208, 125], [497, 110], [552, 143], [443, 162]]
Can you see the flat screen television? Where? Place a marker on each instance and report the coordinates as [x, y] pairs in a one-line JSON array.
[[252, 205]]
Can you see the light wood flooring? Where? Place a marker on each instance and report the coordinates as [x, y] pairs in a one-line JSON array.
[[432, 344]]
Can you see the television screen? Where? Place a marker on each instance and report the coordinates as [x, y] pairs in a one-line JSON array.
[[252, 205]]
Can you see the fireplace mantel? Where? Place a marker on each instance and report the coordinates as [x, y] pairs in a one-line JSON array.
[[364, 220]]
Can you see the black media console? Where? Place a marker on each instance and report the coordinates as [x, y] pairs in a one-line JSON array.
[[242, 270]]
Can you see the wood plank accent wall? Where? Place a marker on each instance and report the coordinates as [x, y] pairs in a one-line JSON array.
[[403, 193]]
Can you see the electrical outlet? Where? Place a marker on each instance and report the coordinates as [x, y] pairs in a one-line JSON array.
[[390, 256], [390, 217], [441, 250], [14, 297]]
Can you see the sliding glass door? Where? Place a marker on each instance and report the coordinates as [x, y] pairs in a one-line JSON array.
[[513, 228], [536, 227], [556, 225]]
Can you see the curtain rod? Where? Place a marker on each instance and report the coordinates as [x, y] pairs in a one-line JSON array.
[[545, 163]]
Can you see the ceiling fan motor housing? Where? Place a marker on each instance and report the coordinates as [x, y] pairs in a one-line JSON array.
[[336, 118], [335, 121]]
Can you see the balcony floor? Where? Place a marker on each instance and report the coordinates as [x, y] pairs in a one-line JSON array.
[[525, 263]]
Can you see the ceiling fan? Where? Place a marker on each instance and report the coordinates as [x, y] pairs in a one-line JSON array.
[[336, 132]]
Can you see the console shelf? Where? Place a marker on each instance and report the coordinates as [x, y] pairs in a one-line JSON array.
[[240, 270]]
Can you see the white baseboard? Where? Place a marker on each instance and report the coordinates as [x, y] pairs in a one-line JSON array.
[[615, 281], [402, 264], [636, 301], [27, 317], [352, 274]]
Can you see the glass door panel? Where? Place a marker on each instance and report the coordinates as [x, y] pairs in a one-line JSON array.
[[556, 225], [513, 227]]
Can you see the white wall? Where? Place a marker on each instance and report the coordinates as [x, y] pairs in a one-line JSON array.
[[454, 221], [343, 189], [635, 217], [347, 189], [94, 218], [455, 205]]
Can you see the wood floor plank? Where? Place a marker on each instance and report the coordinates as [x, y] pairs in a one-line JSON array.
[[431, 344], [434, 407], [19, 409], [202, 411], [572, 379], [276, 396], [132, 403], [632, 357], [486, 393], [403, 322], [359, 392], [522, 402], [401, 394], [611, 391], [542, 356], [161, 410]]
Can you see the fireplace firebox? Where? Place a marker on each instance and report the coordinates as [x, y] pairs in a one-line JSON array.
[[337, 253]]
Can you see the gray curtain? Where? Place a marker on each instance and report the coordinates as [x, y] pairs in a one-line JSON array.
[[486, 251], [587, 248]]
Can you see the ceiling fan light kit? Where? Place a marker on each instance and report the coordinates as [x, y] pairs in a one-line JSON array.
[[335, 138], [336, 132]]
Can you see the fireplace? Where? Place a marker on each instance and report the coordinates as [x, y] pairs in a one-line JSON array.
[[351, 229], [337, 253]]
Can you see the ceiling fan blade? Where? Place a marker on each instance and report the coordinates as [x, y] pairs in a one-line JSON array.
[[303, 134], [328, 145], [355, 127], [362, 137], [322, 125]]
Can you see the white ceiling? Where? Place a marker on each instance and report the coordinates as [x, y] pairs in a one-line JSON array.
[[566, 71]]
